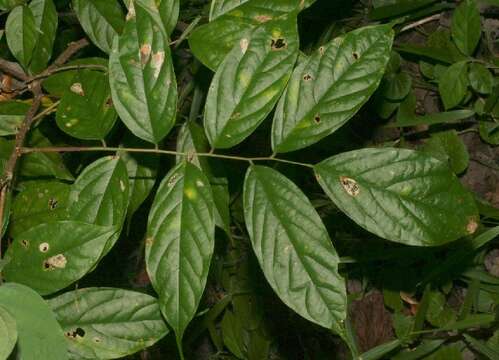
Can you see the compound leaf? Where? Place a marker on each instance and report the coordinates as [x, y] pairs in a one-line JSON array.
[[107, 323], [21, 33], [50, 256], [143, 84], [400, 195], [465, 27], [249, 82], [46, 21], [180, 242], [293, 248], [8, 333], [86, 111], [39, 334], [100, 195], [102, 21], [326, 90]]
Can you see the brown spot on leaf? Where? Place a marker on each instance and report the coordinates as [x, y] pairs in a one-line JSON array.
[[307, 77], [322, 50], [145, 53], [53, 203], [278, 44], [317, 118], [149, 241], [157, 61], [263, 18], [108, 103], [78, 332], [25, 244], [355, 56], [350, 186], [58, 261], [471, 226], [77, 88]]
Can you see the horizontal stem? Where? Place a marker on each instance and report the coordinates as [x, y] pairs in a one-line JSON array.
[[57, 149]]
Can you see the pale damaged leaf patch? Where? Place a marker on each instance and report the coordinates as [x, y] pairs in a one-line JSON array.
[[77, 88], [58, 261], [244, 43], [350, 186]]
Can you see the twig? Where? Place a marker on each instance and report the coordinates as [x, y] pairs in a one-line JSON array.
[[57, 149], [420, 22], [66, 68], [13, 69]]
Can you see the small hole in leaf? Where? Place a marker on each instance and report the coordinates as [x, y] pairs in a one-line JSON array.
[[317, 118], [97, 340], [77, 332], [278, 44], [307, 77], [355, 56], [46, 265]]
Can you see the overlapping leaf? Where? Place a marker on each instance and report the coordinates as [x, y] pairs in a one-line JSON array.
[[143, 84], [39, 334], [249, 82], [12, 114], [328, 89], [86, 110], [191, 140], [293, 248], [8, 333], [180, 242], [21, 33], [102, 21], [46, 21], [466, 29], [169, 11], [53, 255], [100, 195], [38, 202], [211, 42], [453, 84], [400, 195], [106, 323]]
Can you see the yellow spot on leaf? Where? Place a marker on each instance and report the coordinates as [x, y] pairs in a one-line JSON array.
[[190, 193], [471, 226]]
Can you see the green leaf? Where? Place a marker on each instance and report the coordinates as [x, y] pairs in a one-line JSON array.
[[169, 11], [489, 131], [43, 164], [101, 20], [481, 347], [191, 140], [232, 331], [465, 27], [446, 353], [249, 82], [53, 255], [447, 146], [400, 195], [210, 43], [293, 248], [39, 334], [481, 80], [58, 83], [426, 347], [12, 114], [453, 84], [142, 170], [389, 8], [220, 7], [86, 111], [426, 52], [107, 323], [100, 195], [180, 242], [8, 333], [380, 351], [46, 21], [21, 33], [143, 84], [328, 89], [39, 202], [439, 314], [10, 4], [396, 87]]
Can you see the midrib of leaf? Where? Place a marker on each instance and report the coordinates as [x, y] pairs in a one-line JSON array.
[[298, 255]]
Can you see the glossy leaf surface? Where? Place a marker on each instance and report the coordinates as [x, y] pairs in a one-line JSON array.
[[102, 21], [86, 110], [53, 255], [12, 114], [249, 82], [466, 29], [453, 84], [39, 334], [8, 333], [168, 11], [141, 75], [180, 242], [326, 90], [400, 195], [46, 21], [21, 33], [107, 323], [100, 195], [293, 248]]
